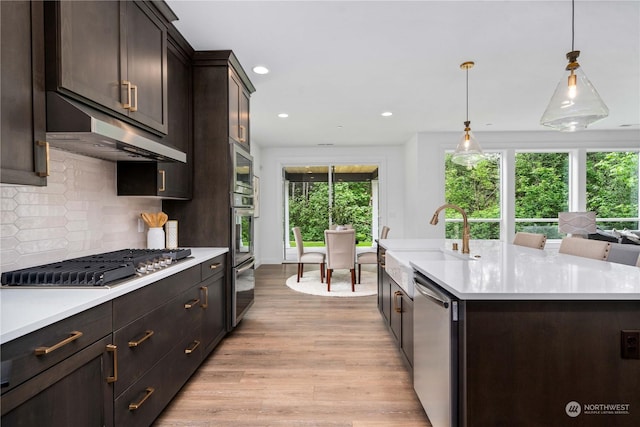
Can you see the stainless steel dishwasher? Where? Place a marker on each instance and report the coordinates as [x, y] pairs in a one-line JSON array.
[[435, 366]]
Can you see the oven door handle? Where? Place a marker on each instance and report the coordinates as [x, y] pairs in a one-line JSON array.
[[246, 267]]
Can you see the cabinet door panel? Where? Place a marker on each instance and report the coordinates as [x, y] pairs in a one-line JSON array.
[[234, 107], [214, 312], [22, 109], [146, 41], [89, 51], [72, 393]]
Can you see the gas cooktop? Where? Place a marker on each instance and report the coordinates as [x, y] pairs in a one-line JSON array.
[[98, 270]]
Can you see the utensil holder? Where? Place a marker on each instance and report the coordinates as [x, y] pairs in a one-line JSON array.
[[155, 238]]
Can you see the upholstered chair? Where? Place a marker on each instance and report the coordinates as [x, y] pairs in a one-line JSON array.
[[370, 257], [594, 249], [531, 240], [307, 257], [341, 253]]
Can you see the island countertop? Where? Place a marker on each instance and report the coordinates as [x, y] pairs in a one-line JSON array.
[[26, 310], [496, 270]]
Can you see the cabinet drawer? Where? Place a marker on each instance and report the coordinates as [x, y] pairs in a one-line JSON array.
[[142, 343], [40, 350], [129, 307], [158, 386], [212, 267]]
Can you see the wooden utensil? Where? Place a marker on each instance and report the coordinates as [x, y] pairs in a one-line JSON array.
[[162, 219]]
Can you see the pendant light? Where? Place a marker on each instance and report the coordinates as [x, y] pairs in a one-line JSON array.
[[468, 152], [575, 104]]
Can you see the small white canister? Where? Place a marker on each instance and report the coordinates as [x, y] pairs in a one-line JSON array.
[[171, 229], [155, 238]]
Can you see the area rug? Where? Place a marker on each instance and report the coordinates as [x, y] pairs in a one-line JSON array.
[[340, 284]]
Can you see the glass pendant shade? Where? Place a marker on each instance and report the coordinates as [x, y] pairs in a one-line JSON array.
[[468, 152]]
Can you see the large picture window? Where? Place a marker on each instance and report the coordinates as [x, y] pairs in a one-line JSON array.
[[612, 189], [477, 191], [541, 191]]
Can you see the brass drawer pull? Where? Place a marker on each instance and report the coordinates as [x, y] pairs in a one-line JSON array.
[[147, 392], [214, 266], [241, 132], [111, 348], [192, 303], [127, 105], [147, 335], [134, 107], [205, 297], [164, 181], [45, 172], [192, 348], [397, 307], [46, 350]]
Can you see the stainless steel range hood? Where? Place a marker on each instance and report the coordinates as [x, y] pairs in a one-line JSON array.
[[77, 128]]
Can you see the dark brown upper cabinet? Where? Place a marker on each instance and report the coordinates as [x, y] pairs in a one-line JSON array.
[[111, 55], [171, 180], [238, 110], [22, 111]]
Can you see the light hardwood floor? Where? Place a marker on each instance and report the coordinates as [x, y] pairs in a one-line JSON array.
[[300, 360]]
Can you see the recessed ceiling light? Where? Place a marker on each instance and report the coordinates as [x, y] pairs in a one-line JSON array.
[[387, 114], [260, 69], [283, 115]]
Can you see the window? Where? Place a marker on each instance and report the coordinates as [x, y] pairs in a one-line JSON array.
[[477, 191], [541, 191], [612, 188]]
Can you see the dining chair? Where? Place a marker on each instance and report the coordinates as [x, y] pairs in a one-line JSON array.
[[341, 253], [531, 240], [594, 249], [370, 257], [307, 257]]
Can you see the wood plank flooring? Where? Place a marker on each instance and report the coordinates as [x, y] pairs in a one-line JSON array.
[[300, 360]]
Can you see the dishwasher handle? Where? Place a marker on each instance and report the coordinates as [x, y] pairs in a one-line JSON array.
[[422, 286]]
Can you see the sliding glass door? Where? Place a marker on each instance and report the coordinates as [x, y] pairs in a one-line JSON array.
[[317, 196]]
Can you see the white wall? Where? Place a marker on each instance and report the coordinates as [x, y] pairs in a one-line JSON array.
[[270, 228]]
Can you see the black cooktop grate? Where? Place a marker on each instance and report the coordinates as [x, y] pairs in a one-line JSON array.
[[92, 270]]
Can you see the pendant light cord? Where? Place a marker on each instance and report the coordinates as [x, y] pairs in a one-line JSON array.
[[467, 94], [573, 18]]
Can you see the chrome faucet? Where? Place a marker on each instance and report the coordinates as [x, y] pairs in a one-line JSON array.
[[466, 234]]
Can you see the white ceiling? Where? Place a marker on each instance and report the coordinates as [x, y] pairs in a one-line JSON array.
[[337, 65]]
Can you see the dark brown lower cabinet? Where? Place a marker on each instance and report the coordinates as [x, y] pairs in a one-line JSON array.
[[133, 354], [396, 308], [74, 392]]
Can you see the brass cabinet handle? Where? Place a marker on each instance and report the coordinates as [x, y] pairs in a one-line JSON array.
[[111, 348], [214, 266], [147, 392], [192, 303], [134, 107], [241, 133], [44, 172], [163, 185], [205, 291], [147, 335], [192, 347], [40, 351], [127, 105], [396, 306]]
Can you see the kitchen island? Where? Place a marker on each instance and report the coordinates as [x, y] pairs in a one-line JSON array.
[[508, 335]]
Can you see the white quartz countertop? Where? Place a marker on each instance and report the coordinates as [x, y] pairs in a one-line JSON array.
[[502, 271], [26, 310]]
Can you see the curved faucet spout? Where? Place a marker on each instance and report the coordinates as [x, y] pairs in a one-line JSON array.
[[466, 233]]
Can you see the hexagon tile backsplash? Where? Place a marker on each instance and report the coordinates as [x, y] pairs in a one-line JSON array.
[[78, 213]]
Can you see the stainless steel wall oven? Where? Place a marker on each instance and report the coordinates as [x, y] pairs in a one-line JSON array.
[[242, 235]]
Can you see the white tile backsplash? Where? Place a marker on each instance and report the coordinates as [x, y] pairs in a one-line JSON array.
[[78, 213]]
